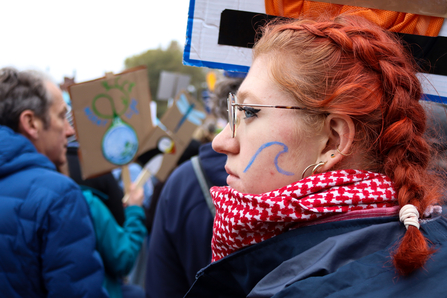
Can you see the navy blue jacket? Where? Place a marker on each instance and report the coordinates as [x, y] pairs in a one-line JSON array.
[[341, 259], [47, 241], [180, 244]]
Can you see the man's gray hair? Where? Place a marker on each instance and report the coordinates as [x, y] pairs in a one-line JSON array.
[[20, 91]]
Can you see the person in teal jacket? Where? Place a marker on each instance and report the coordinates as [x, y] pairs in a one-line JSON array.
[[118, 246]]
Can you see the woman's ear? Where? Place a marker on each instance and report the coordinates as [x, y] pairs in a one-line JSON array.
[[30, 125], [340, 131]]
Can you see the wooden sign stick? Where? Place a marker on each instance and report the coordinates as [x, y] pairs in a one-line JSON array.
[[125, 176], [150, 168]]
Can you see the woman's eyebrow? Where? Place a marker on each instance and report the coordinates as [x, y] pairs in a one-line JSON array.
[[242, 95]]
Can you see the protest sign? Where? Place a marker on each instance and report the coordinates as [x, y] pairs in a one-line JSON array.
[[220, 34], [175, 133], [111, 117]]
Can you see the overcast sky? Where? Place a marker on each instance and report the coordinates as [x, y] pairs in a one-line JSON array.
[[87, 38]]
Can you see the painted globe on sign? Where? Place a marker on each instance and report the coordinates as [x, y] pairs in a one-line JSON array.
[[120, 143]]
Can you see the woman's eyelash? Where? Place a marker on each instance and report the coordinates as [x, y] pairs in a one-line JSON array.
[[249, 112]]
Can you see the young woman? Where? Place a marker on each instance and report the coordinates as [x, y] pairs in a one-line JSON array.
[[325, 153]]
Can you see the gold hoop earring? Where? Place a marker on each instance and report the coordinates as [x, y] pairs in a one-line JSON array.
[[343, 153], [315, 165]]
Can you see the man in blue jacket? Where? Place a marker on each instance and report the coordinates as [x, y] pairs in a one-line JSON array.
[[47, 239]]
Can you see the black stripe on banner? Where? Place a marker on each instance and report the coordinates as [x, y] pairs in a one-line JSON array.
[[429, 52], [239, 28]]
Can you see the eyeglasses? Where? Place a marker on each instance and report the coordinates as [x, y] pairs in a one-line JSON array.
[[232, 118]]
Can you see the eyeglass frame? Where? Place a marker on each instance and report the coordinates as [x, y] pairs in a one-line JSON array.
[[232, 117]]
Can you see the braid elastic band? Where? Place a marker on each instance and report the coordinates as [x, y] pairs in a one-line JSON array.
[[409, 215]]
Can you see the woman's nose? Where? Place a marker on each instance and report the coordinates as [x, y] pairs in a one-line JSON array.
[[224, 143]]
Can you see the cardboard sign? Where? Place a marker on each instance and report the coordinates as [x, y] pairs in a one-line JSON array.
[[112, 117], [180, 121], [204, 25], [208, 20], [202, 48], [171, 84], [113, 123]]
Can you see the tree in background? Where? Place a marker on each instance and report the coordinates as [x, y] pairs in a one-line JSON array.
[[170, 59]]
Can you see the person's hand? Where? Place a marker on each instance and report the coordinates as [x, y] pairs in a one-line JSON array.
[[136, 196]]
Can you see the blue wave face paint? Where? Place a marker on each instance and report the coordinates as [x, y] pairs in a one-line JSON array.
[[266, 145]]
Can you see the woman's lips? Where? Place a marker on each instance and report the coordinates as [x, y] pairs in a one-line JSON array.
[[231, 179], [229, 172]]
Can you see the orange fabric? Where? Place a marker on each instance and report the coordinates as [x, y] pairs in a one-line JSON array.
[[391, 20]]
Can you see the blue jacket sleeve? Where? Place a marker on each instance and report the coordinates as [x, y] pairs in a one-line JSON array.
[[71, 267], [118, 246]]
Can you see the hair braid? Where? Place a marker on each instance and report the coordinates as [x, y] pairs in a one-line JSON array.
[[352, 67], [406, 156], [405, 152]]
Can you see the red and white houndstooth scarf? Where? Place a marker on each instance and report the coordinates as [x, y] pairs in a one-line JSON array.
[[243, 219]]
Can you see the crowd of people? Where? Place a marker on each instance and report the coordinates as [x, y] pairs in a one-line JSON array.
[[327, 181]]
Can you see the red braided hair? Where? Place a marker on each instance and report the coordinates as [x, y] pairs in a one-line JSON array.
[[349, 66]]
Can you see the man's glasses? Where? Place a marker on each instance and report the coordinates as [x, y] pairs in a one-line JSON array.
[[232, 117]]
